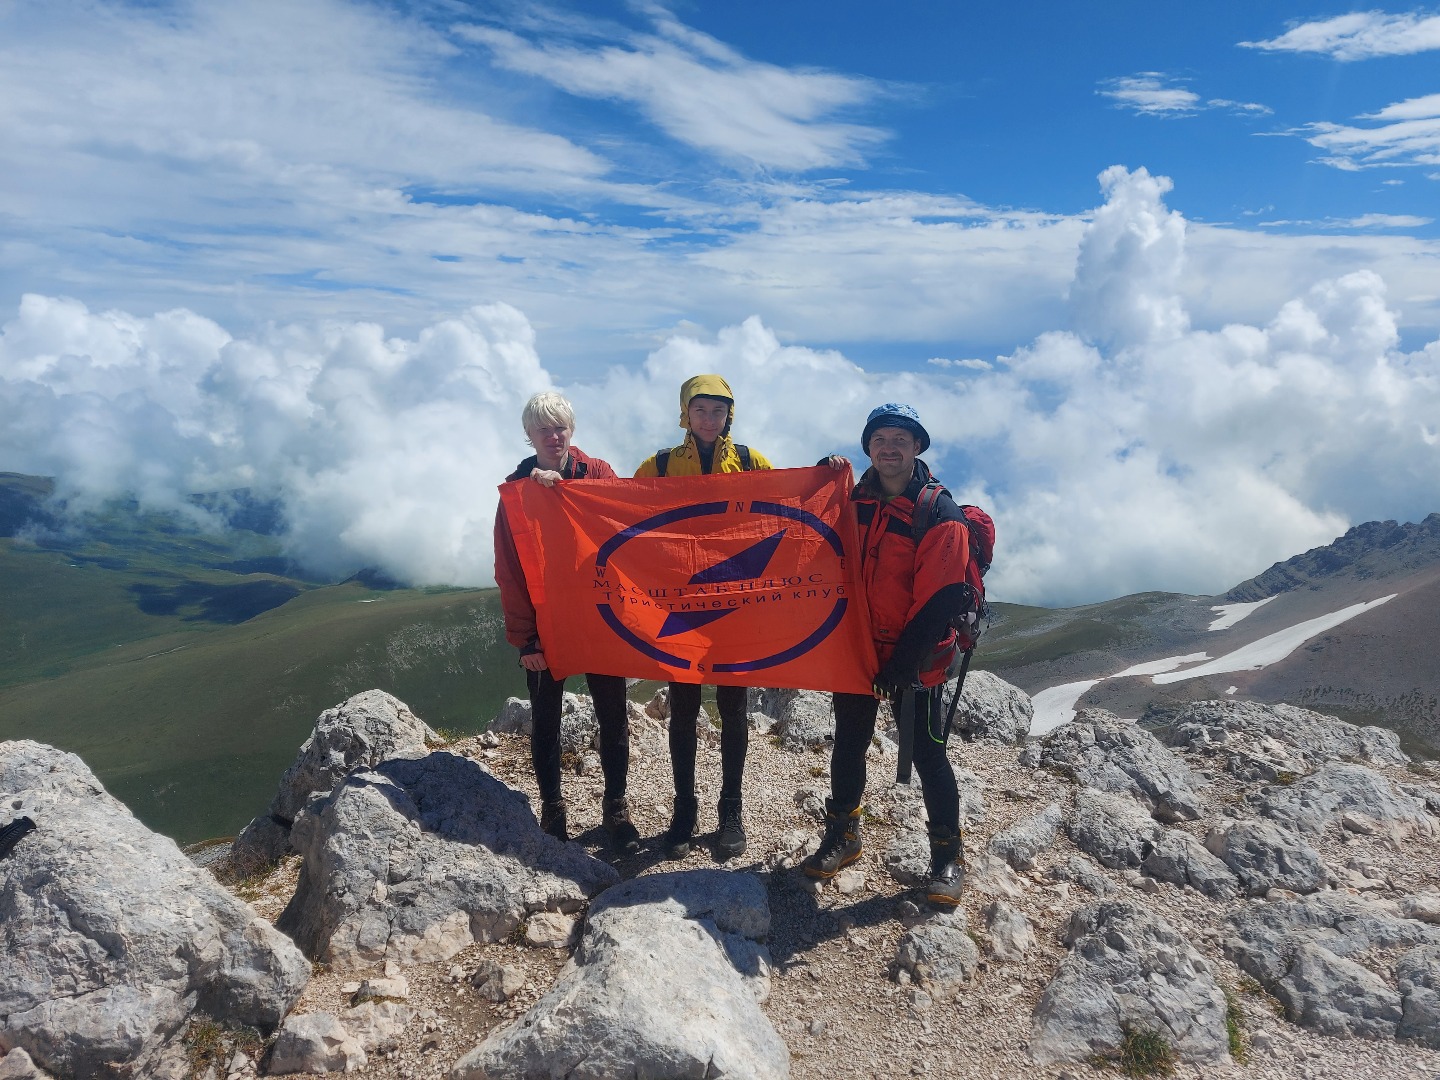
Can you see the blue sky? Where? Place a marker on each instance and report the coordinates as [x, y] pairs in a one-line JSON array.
[[235, 221]]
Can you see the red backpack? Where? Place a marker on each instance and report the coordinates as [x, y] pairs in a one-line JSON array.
[[982, 550]]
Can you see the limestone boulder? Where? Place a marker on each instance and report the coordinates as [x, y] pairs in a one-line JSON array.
[[1317, 955], [418, 857], [1270, 742], [359, 733], [1128, 971], [1022, 843], [1264, 857], [1099, 750], [804, 719], [667, 981], [1337, 791], [938, 955], [989, 708], [112, 938]]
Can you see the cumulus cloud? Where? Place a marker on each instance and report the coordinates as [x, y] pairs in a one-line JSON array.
[[1360, 35], [704, 93], [1123, 451]]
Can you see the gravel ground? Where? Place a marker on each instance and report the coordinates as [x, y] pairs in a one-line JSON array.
[[832, 997]]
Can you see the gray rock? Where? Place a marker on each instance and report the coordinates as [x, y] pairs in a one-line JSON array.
[[804, 719], [315, 1043], [1113, 829], [111, 936], [938, 955], [1265, 934], [1264, 857], [1312, 803], [990, 709], [18, 1065], [417, 858], [1336, 996], [359, 733], [907, 859], [1022, 843], [1011, 935], [1269, 742], [1100, 750], [513, 718], [1177, 857], [579, 726], [1128, 971], [1084, 873], [1308, 953], [377, 1025], [496, 982], [666, 982], [1417, 974], [1422, 906]]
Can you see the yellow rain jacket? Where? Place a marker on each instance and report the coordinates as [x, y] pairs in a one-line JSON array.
[[685, 459]]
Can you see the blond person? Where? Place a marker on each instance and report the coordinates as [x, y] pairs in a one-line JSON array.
[[549, 423]]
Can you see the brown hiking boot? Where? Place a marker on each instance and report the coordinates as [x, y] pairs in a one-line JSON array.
[[839, 847], [624, 837], [947, 869]]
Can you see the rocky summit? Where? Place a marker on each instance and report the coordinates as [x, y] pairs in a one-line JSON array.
[[1235, 888]]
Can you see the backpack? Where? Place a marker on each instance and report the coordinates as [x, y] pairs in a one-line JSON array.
[[982, 550], [662, 459]]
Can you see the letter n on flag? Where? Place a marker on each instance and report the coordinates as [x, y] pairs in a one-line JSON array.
[[740, 579]]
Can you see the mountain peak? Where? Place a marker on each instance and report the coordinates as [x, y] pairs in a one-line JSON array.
[[1376, 549]]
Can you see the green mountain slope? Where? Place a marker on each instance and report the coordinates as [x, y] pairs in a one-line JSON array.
[[186, 679]]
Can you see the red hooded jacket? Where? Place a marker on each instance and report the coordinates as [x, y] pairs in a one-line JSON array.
[[514, 592], [912, 592]]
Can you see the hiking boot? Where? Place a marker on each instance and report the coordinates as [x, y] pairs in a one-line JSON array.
[[730, 836], [682, 826], [624, 837], [947, 869], [552, 819], [840, 846]]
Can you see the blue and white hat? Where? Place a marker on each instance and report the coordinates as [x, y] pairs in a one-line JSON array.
[[896, 416]]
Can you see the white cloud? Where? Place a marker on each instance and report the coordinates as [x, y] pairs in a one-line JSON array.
[[1146, 454], [1158, 94], [1148, 92], [1361, 35], [705, 94], [1388, 221], [1409, 134]]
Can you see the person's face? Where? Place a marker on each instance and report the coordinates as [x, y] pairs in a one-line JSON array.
[[893, 452], [707, 418], [551, 442]]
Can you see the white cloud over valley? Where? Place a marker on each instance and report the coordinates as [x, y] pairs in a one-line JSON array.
[[1122, 449]]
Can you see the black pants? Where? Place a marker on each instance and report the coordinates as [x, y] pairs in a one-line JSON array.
[[855, 728], [546, 697], [734, 735]]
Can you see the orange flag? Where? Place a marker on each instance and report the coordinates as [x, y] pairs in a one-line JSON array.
[[739, 579]]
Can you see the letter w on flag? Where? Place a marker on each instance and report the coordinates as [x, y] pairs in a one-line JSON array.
[[741, 579]]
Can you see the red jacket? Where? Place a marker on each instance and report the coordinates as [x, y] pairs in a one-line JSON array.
[[912, 593], [514, 592]]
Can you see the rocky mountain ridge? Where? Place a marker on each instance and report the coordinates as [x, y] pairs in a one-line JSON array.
[[1240, 882]]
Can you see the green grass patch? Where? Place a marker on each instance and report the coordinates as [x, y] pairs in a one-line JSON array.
[[211, 1043], [1235, 1026], [1146, 1053]]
